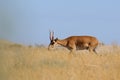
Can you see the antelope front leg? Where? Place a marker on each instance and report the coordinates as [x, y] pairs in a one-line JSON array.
[[73, 50]]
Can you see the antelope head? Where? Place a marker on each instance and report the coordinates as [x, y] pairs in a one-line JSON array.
[[53, 41]]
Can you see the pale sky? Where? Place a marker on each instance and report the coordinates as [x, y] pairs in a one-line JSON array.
[[29, 21]]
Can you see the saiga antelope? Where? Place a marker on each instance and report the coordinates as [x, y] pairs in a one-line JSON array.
[[75, 42]]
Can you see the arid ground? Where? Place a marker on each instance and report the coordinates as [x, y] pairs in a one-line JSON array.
[[20, 62]]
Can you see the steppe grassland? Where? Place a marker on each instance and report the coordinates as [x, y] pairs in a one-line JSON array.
[[19, 62]]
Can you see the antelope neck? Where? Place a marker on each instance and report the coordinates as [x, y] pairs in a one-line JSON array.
[[62, 42]]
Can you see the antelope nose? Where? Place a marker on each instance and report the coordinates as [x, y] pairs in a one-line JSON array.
[[49, 47]]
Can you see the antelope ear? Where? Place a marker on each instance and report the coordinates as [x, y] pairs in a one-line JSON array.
[[56, 39]]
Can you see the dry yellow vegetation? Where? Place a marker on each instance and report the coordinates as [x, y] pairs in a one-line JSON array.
[[18, 62]]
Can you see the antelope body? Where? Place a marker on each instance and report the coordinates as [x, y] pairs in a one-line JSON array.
[[75, 42]]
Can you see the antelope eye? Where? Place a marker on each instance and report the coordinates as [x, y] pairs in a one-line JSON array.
[[52, 42]]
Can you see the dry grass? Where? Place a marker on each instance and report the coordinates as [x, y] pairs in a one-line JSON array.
[[19, 62]]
